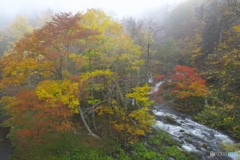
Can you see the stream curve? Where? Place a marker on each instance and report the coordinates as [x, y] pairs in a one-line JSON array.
[[194, 137]]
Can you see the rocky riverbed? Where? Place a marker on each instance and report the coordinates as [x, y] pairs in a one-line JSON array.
[[195, 138]]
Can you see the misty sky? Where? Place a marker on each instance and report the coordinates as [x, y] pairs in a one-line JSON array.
[[9, 9], [119, 7]]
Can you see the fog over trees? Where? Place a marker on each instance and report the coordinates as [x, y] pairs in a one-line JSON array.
[[85, 80], [31, 8]]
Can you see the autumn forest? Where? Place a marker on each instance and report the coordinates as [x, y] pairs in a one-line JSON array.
[[80, 86]]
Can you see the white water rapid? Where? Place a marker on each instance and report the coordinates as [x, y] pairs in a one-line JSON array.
[[194, 137]]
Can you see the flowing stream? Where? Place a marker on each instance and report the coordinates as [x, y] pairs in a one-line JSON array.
[[194, 137]]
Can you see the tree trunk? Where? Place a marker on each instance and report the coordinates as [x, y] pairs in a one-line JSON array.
[[86, 125], [147, 63], [125, 110]]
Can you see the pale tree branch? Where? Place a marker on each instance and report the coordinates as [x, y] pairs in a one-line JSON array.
[[86, 125]]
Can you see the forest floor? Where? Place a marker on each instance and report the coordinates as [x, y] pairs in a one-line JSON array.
[[5, 144]]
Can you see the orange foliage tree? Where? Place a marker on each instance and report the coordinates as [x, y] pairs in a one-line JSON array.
[[36, 116], [75, 64], [185, 87]]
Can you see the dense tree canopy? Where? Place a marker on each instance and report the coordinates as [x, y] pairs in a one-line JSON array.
[[87, 74], [76, 64]]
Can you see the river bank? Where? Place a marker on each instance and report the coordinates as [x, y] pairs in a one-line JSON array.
[[194, 137]]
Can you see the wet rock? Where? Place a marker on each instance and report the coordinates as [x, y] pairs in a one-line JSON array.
[[170, 119], [188, 140], [198, 148], [204, 146]]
